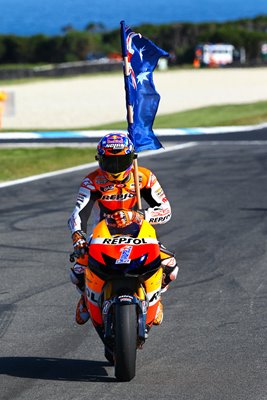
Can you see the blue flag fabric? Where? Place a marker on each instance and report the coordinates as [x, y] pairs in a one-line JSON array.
[[143, 56]]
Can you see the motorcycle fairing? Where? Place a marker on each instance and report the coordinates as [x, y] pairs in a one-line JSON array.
[[124, 253], [135, 258]]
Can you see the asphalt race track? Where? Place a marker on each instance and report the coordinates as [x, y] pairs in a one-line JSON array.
[[212, 344]]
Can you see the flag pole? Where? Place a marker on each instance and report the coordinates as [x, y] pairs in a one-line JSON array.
[[126, 70]]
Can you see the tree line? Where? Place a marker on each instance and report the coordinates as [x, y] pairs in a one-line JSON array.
[[179, 39]]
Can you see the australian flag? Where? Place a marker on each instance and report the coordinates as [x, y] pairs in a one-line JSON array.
[[143, 56]]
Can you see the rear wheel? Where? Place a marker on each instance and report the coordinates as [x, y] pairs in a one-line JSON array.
[[125, 341]]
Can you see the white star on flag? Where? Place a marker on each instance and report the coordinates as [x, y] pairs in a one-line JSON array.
[[142, 77], [141, 53]]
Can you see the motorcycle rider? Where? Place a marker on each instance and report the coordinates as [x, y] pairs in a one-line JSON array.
[[110, 189]]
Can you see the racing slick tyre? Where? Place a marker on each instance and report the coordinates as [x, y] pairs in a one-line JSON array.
[[125, 341]]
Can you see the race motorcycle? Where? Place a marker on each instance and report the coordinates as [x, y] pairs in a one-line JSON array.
[[122, 289]]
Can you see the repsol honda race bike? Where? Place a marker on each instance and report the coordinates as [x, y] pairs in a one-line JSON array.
[[122, 289]]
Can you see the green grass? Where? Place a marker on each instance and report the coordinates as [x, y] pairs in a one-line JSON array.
[[238, 114], [21, 162]]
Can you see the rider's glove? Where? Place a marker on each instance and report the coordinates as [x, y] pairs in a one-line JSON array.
[[79, 243], [125, 217]]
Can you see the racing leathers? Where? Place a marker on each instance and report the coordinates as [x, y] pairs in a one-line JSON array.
[[98, 194], [103, 197]]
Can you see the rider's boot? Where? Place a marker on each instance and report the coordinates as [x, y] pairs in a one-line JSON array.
[[159, 315]]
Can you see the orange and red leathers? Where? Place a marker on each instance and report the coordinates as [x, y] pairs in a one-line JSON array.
[[97, 194]]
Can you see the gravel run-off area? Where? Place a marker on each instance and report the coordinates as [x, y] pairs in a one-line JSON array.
[[86, 101]]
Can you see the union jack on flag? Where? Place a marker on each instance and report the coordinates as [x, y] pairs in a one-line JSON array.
[[141, 94]]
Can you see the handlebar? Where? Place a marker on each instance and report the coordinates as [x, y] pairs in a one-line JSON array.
[[77, 254]]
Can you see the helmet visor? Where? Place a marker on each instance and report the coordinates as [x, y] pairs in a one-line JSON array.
[[116, 164]]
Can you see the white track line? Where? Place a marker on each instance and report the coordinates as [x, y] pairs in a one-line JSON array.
[[90, 165]]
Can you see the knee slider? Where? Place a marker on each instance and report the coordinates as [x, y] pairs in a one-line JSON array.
[[77, 276], [170, 268]]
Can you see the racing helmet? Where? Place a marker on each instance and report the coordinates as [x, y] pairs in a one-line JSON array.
[[115, 154]]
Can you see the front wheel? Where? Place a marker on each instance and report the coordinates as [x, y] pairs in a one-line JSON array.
[[125, 341]]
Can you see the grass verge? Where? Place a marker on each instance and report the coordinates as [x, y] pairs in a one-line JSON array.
[[21, 162]]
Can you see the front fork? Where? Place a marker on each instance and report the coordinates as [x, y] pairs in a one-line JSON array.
[[138, 300]]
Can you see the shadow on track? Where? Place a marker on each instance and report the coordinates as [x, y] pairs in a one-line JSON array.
[[58, 369]]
